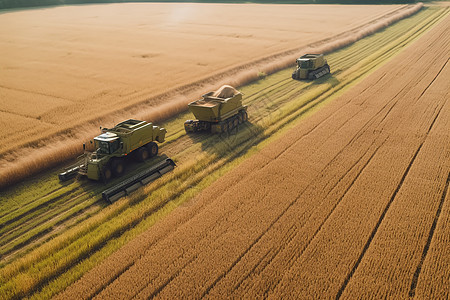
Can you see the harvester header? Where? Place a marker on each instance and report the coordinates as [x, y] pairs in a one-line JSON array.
[[112, 145]]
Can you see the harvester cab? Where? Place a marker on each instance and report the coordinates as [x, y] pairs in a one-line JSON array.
[[107, 143], [111, 147], [311, 66]]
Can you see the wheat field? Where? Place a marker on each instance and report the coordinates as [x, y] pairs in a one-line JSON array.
[[352, 202], [263, 203], [68, 70]]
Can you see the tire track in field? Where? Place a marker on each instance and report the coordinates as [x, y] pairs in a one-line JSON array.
[[399, 186], [45, 233], [377, 225], [35, 208], [412, 290], [428, 86]]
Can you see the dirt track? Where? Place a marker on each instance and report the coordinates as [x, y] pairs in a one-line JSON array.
[[352, 202]]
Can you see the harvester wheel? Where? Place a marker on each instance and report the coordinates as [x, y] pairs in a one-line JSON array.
[[224, 127], [142, 154], [244, 116], [240, 118], [236, 122], [230, 124], [106, 174], [118, 167], [152, 149]]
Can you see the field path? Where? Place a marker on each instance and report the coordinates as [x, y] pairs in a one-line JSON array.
[[353, 201]]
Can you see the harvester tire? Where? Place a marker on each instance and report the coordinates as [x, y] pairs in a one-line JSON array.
[[224, 127], [235, 122], [142, 154], [106, 174], [230, 124], [152, 149], [118, 167], [244, 116], [240, 118]]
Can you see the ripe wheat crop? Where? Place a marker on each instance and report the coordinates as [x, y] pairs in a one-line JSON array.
[[275, 104]]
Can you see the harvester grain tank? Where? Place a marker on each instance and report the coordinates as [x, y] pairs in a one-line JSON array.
[[311, 66], [131, 137], [217, 111]]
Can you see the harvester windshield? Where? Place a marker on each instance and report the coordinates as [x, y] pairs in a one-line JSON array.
[[106, 144], [108, 147], [304, 63]]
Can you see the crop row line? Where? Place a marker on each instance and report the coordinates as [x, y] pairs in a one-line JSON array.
[[412, 290], [392, 198]]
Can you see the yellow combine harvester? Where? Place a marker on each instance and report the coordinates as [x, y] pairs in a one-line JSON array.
[[311, 66], [218, 111]]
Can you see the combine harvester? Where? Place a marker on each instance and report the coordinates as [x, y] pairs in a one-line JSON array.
[[131, 137], [311, 66], [219, 111]]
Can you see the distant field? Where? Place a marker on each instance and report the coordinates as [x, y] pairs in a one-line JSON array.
[[63, 66]]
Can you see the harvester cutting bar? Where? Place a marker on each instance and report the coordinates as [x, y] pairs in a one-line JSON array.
[[134, 182], [70, 173]]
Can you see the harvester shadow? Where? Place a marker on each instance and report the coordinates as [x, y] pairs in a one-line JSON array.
[[234, 143], [327, 79]]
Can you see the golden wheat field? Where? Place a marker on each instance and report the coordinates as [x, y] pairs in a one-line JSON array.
[[66, 65], [351, 203], [333, 188], [67, 70]]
